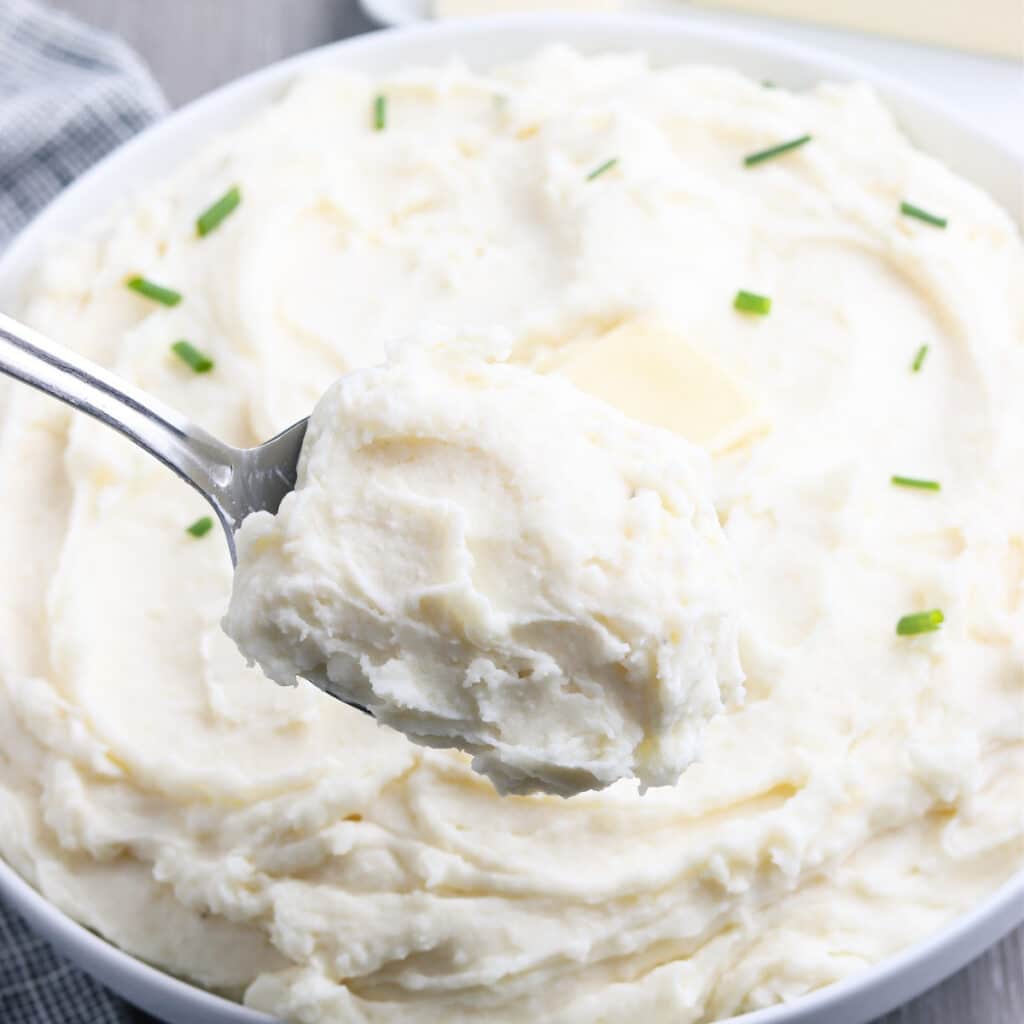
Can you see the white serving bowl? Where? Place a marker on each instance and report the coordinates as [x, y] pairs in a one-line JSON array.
[[484, 42]]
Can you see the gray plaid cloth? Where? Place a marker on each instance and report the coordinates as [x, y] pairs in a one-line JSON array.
[[68, 95]]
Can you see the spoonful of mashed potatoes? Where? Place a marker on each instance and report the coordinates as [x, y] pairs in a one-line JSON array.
[[479, 555], [487, 558]]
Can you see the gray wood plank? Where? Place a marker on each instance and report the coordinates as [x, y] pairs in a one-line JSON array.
[[193, 46]]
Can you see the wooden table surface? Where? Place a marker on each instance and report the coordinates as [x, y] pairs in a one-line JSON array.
[[193, 46]]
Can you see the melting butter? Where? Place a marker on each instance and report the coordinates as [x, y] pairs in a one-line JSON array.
[[655, 375]]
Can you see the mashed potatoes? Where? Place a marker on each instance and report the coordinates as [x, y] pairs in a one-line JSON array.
[[276, 845], [487, 558]]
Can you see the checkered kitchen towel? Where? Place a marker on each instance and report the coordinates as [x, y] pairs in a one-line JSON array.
[[68, 95]]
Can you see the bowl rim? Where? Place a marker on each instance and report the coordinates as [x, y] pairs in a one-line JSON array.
[[924, 962]]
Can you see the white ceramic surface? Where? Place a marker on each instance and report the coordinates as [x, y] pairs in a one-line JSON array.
[[484, 42], [397, 12]]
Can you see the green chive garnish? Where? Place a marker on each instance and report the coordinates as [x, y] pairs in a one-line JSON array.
[[211, 219], [200, 527], [156, 292], [749, 302], [918, 362], [380, 113], [188, 353], [767, 154], [910, 210], [922, 485], [606, 166], [920, 622]]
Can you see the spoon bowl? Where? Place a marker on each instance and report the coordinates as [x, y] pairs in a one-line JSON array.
[[257, 479]]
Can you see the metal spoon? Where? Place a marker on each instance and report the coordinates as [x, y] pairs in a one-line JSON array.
[[235, 481]]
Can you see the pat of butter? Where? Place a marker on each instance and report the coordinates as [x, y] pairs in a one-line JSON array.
[[655, 376], [467, 8], [988, 26]]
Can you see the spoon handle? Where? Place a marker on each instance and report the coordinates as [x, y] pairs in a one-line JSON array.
[[198, 458]]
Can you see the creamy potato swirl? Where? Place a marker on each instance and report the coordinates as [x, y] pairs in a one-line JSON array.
[[277, 846]]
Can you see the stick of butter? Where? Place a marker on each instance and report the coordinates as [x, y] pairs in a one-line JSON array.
[[985, 26], [655, 376]]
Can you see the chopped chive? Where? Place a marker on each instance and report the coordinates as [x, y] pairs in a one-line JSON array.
[[767, 83], [749, 302], [783, 147], [156, 292], [380, 113], [200, 527], [918, 362], [211, 218], [910, 210], [920, 622], [922, 485], [188, 353], [606, 166]]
